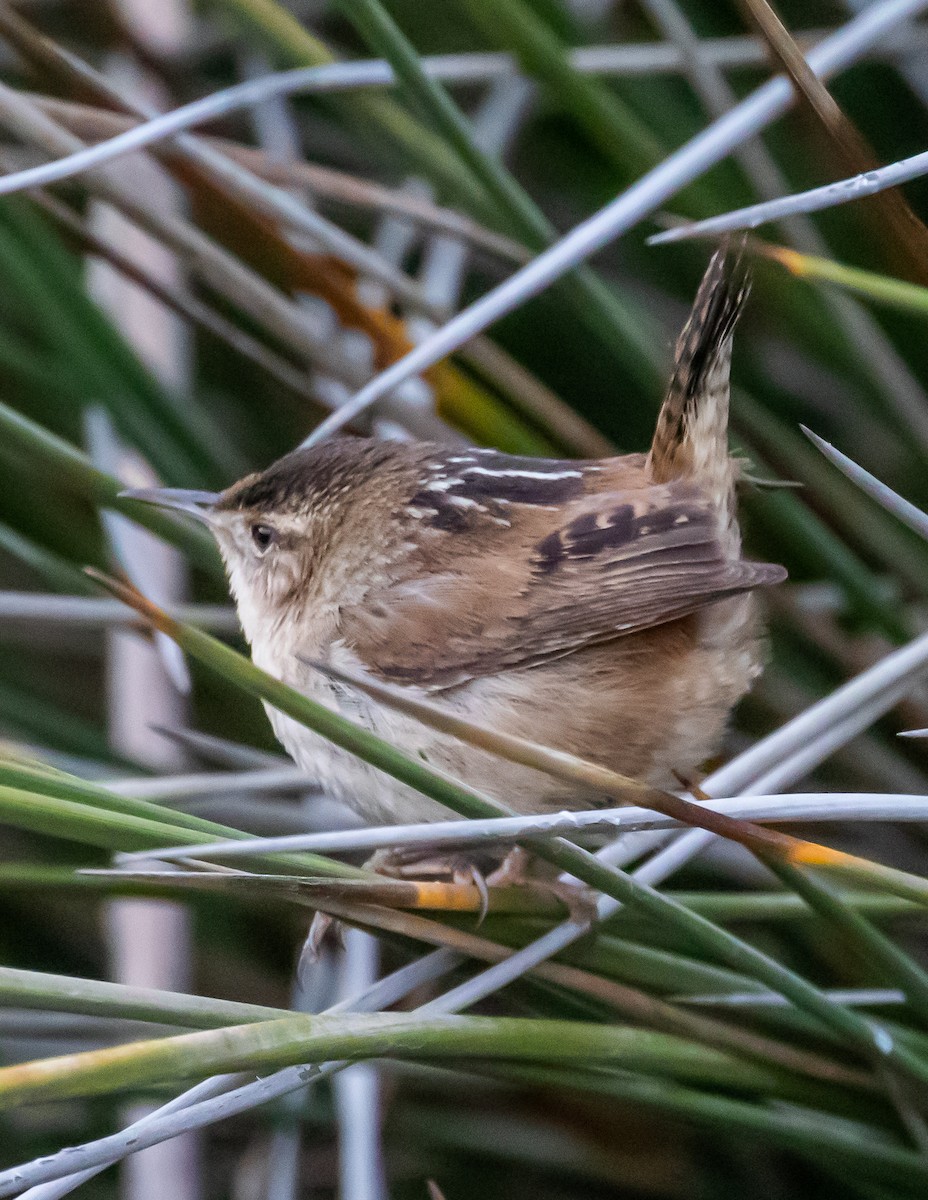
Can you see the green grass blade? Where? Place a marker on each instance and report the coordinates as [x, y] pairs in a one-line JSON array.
[[70, 994], [268, 1045], [873, 946], [611, 126], [69, 467], [59, 805], [869, 285]]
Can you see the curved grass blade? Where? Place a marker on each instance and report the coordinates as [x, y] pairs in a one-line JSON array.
[[266, 1045]]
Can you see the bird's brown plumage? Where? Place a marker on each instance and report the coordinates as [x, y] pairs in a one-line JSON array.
[[518, 581], [601, 607]]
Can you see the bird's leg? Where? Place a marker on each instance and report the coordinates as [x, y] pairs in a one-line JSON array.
[[521, 869], [420, 863], [397, 863], [518, 868], [321, 927], [691, 782]]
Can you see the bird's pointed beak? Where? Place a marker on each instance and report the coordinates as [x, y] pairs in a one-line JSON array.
[[193, 503]]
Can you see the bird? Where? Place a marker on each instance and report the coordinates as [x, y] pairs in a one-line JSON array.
[[601, 607]]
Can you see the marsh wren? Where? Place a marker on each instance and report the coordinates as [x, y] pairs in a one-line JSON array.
[[599, 607]]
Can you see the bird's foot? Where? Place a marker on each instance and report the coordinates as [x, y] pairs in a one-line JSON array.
[[413, 864], [400, 864], [520, 868], [516, 870]]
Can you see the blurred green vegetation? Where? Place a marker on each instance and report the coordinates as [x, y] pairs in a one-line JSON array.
[[837, 349]]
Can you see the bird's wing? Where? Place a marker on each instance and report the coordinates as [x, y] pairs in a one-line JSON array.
[[544, 579]]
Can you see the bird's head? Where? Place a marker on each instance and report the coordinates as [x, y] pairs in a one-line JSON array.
[[305, 536]]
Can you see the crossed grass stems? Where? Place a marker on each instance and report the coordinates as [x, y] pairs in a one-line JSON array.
[[120, 823], [883, 1047]]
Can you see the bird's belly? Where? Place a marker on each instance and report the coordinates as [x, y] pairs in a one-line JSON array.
[[381, 799], [373, 794], [647, 706]]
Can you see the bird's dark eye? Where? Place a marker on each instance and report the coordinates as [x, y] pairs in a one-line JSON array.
[[263, 537]]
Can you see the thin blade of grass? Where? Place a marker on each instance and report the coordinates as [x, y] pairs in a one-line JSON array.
[[428, 896], [871, 285], [285, 777], [880, 492], [40, 608], [71, 994], [794, 806], [857, 187]]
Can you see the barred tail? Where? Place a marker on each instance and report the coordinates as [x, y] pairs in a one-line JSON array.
[[691, 439]]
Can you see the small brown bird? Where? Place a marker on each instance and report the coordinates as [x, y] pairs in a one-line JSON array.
[[599, 607]]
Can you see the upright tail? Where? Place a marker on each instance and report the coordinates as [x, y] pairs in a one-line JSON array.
[[691, 438]]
